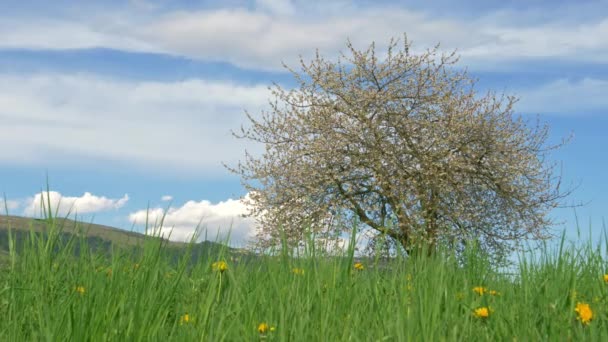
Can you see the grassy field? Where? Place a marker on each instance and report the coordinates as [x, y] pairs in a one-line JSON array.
[[47, 293]]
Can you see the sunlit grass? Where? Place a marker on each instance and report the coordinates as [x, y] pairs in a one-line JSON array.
[[47, 293]]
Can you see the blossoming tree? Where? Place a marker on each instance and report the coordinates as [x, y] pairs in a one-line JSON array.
[[406, 146]]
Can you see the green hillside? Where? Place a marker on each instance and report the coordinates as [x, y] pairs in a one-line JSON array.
[[100, 238]]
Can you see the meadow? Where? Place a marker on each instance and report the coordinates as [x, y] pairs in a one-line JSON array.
[[48, 293]]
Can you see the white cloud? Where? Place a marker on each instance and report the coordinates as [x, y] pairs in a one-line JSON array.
[[263, 37], [261, 41], [8, 204], [565, 96], [85, 204], [221, 221], [182, 126], [218, 219], [224, 221], [166, 198], [54, 34]]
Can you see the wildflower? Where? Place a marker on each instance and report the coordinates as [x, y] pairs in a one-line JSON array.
[[184, 319], [606, 278], [219, 266], [480, 290], [482, 312], [80, 289], [585, 315], [264, 328], [298, 271], [494, 293], [359, 266]]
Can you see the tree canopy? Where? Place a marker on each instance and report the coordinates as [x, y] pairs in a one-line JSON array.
[[403, 144]]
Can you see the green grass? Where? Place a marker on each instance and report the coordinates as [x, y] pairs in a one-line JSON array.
[[146, 296]]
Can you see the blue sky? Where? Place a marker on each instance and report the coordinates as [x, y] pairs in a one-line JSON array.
[[129, 103]]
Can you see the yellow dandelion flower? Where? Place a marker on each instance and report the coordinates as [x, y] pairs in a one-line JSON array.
[[482, 312], [494, 293], [80, 289], [298, 271], [359, 266], [606, 278], [219, 266], [264, 328], [585, 315], [185, 319], [480, 290]]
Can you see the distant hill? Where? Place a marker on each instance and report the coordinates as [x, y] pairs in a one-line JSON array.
[[102, 238]]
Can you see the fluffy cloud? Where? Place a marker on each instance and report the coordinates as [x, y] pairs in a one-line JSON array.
[[57, 34], [84, 204], [262, 37], [565, 96], [219, 221], [183, 126], [8, 204]]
